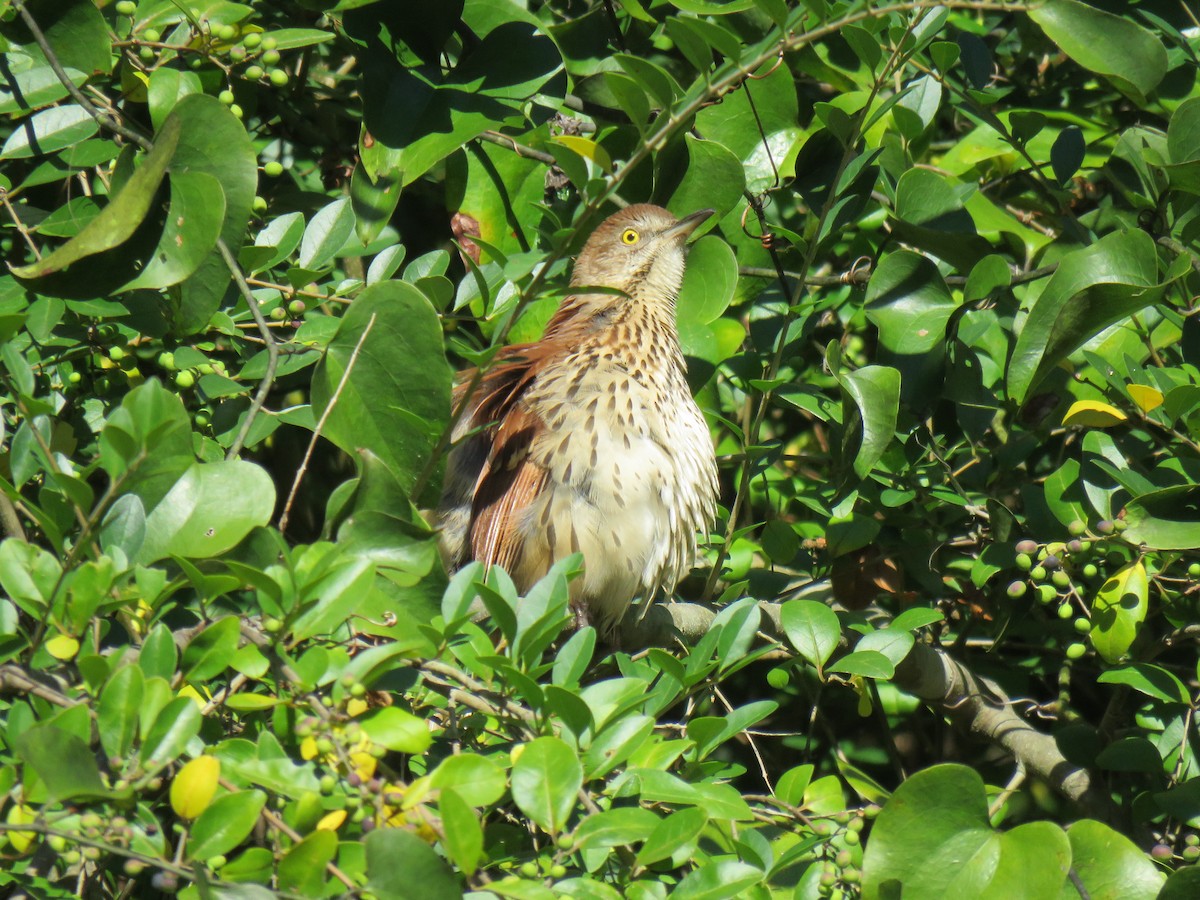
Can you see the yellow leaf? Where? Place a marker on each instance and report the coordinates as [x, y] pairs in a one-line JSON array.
[[308, 748], [200, 700], [586, 148], [332, 821], [1093, 414], [195, 786], [1146, 397], [62, 646], [20, 815], [355, 707]]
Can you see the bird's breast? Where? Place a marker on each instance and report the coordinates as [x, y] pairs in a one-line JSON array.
[[631, 474]]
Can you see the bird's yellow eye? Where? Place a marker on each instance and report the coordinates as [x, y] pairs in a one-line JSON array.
[[629, 237]]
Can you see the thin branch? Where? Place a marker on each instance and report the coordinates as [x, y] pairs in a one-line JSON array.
[[104, 120], [316, 435], [268, 379]]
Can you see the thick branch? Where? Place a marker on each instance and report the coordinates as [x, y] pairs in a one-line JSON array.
[[970, 701]]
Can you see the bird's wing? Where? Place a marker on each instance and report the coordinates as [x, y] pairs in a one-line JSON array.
[[509, 483], [507, 479]]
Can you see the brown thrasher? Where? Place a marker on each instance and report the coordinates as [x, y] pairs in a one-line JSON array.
[[589, 440]]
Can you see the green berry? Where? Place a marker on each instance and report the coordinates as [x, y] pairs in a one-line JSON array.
[[116, 354], [166, 360], [278, 77], [1060, 579], [324, 746], [1017, 590], [236, 110], [1076, 528], [778, 679], [297, 307], [279, 314], [252, 40], [1120, 525], [1083, 626], [269, 43], [273, 169], [205, 369], [1038, 573], [202, 419], [564, 842], [1065, 611], [74, 378], [185, 379], [227, 33], [558, 870], [1090, 571], [1194, 570], [134, 867], [259, 204], [1024, 562], [529, 870], [1047, 593], [216, 862], [851, 838], [126, 8], [226, 97], [146, 53], [153, 35], [270, 57], [1190, 854], [1192, 840], [1075, 651], [271, 625], [253, 73]]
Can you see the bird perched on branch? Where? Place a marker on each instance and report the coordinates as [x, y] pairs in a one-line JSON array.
[[589, 440]]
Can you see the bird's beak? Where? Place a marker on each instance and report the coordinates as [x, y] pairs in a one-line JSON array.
[[685, 226]]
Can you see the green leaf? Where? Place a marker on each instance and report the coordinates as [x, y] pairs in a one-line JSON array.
[[908, 301], [677, 831], [615, 828], [147, 442], [930, 214], [399, 863], [1152, 681], [718, 880], [476, 779], [48, 132], [1109, 865], [1119, 610], [209, 510], [63, 761], [398, 730], [545, 780], [76, 32], [120, 218], [176, 724], [326, 234], [214, 142], [396, 400], [933, 839], [1066, 156], [875, 391], [302, 868], [1092, 288], [117, 713], [813, 629], [708, 282], [1167, 519], [867, 663], [417, 118], [713, 178], [193, 225], [463, 833], [1115, 46], [225, 824], [209, 653], [167, 87]]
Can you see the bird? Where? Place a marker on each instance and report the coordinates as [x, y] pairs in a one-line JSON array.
[[589, 440]]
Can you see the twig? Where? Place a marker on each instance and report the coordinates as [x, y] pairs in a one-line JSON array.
[[268, 379], [20, 226], [77, 95], [312, 442]]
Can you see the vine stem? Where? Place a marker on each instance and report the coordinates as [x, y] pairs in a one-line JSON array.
[[320, 426]]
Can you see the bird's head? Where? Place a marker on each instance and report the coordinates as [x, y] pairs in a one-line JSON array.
[[640, 251]]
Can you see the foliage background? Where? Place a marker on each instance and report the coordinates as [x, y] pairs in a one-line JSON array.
[[943, 638]]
